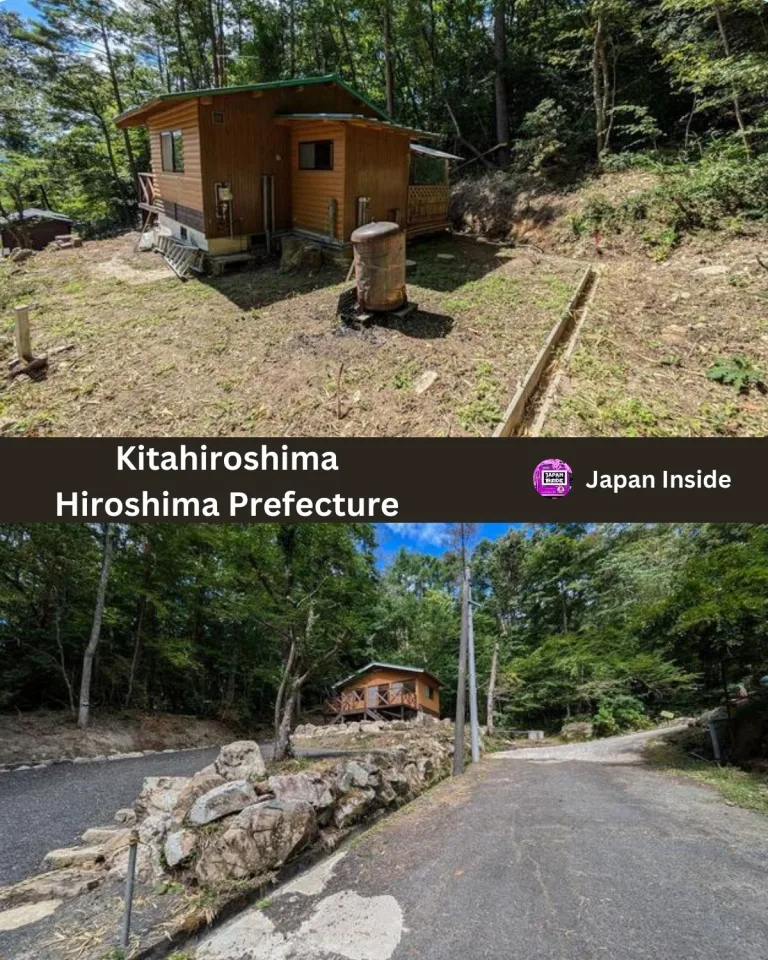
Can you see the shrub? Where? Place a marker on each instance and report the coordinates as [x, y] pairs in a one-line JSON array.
[[542, 136], [620, 713]]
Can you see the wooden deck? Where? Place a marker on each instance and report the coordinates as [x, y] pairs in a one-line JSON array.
[[373, 699]]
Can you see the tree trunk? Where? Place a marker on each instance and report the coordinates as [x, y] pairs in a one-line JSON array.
[[214, 45], [62, 662], [492, 690], [119, 102], [389, 73], [98, 613], [502, 102], [734, 93], [282, 748], [599, 91]]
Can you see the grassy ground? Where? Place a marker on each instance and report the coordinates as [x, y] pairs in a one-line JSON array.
[[654, 333], [263, 353], [739, 787]]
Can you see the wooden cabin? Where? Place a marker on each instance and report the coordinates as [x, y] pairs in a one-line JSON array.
[[235, 167], [385, 691]]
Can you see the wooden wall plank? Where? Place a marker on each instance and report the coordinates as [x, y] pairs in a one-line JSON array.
[[184, 188], [377, 164]]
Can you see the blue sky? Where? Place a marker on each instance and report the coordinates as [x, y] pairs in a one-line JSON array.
[[426, 537], [22, 7]]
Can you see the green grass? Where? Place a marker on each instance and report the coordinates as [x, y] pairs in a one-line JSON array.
[[736, 786]]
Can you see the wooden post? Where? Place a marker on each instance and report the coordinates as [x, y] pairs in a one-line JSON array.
[[23, 338]]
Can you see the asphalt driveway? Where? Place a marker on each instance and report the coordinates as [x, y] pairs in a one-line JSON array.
[[543, 858], [41, 810]]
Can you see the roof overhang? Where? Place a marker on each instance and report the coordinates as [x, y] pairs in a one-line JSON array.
[[431, 152], [138, 116], [375, 665]]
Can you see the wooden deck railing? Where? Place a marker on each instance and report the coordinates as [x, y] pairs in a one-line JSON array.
[[148, 197], [428, 203], [371, 698]]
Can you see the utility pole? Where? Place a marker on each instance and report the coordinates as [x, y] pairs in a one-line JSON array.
[[458, 752], [474, 728]]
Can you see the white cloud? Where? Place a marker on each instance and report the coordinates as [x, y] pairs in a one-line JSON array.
[[433, 534]]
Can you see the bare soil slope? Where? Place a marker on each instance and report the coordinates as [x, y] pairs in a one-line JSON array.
[[49, 735]]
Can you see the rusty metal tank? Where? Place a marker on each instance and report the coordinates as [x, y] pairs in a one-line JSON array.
[[379, 250]]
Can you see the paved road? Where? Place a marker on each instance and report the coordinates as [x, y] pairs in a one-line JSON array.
[[531, 860], [44, 809]]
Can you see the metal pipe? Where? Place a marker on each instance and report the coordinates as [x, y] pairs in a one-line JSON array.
[[265, 206], [130, 878], [272, 202]]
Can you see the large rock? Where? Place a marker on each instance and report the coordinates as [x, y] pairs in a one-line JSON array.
[[353, 806], [194, 788], [259, 838], [180, 846], [72, 856], [158, 795], [577, 731], [312, 787], [56, 884], [358, 773], [230, 797], [241, 760]]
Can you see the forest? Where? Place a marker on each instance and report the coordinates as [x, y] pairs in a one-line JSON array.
[[550, 88], [251, 624]]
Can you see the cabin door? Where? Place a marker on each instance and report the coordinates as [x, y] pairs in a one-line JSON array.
[[371, 697]]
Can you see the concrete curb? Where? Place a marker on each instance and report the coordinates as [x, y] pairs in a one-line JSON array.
[[513, 416]]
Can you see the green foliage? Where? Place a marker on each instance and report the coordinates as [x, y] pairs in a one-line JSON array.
[[542, 136], [618, 714], [608, 622], [737, 372]]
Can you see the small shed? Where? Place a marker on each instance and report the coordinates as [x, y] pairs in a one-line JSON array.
[[385, 691], [33, 228]]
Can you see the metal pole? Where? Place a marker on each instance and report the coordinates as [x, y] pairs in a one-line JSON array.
[[461, 692], [129, 882], [474, 728]]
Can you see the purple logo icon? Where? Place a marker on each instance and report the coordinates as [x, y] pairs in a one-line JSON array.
[[552, 478]]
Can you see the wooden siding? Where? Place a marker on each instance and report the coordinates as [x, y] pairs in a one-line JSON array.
[[381, 675], [377, 167], [311, 190], [182, 188], [237, 149]]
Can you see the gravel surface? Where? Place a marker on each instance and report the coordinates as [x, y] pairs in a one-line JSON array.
[[41, 810], [623, 749]]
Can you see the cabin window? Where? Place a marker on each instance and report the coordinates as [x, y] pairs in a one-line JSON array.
[[316, 155], [429, 691], [218, 118], [172, 150], [409, 686]]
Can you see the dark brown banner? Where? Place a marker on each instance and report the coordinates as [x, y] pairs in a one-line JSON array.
[[254, 480]]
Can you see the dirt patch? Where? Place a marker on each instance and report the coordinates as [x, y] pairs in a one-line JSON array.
[[259, 352], [654, 333], [48, 735]]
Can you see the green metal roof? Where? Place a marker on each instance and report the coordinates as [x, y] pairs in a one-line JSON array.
[[341, 117], [248, 87]]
